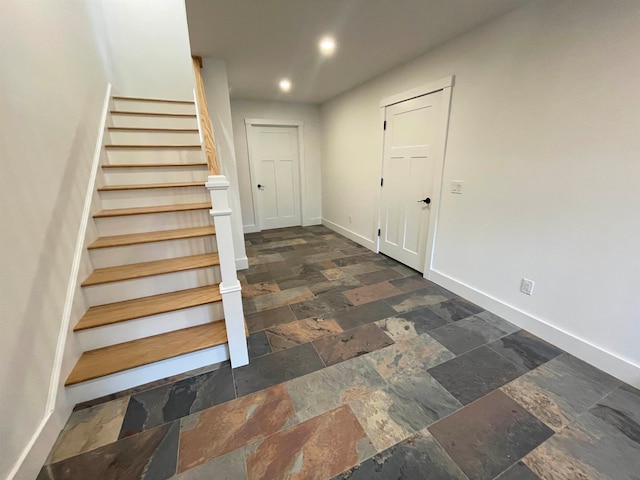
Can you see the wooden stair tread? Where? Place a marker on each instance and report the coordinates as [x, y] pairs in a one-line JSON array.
[[152, 129], [134, 147], [181, 207], [153, 114], [154, 165], [112, 188], [124, 356], [160, 100], [111, 313], [148, 237], [147, 269]]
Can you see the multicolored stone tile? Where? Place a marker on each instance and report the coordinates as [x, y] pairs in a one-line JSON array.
[[466, 334], [377, 277], [229, 466], [316, 449], [371, 293], [475, 373], [285, 297], [148, 386], [361, 268], [227, 427], [268, 318], [149, 455], [321, 306], [603, 443], [411, 324], [560, 390], [411, 357], [333, 274], [390, 389], [295, 333], [257, 289], [277, 367], [498, 322], [351, 343], [456, 309], [331, 387], [258, 259], [418, 457], [258, 344], [411, 284], [407, 405], [360, 315], [301, 280], [518, 471], [486, 437], [89, 429], [346, 283], [416, 299], [168, 403], [524, 349]]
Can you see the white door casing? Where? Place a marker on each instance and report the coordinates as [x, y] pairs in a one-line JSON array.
[[275, 156], [413, 160]]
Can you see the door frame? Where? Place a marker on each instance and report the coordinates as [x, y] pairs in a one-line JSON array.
[[445, 85], [302, 190]]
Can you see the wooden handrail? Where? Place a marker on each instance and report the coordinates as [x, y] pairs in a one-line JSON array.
[[205, 120]]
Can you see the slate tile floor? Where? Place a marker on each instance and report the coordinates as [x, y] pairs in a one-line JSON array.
[[361, 369]]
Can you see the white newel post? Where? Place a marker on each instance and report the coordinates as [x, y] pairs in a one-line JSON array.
[[230, 288]]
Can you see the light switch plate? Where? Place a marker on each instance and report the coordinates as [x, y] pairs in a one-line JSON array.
[[456, 186]]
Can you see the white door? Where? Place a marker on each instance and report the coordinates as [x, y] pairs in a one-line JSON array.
[[412, 131], [274, 153]]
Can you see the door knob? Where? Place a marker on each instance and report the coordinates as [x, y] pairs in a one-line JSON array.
[[260, 186], [426, 200]]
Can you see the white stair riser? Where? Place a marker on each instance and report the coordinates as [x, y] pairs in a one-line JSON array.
[[155, 155], [148, 373], [148, 326], [153, 285], [147, 252], [137, 176], [153, 197], [152, 222], [153, 138], [162, 107], [152, 121]]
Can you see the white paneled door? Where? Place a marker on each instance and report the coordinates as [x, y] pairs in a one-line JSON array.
[[412, 135], [275, 165]]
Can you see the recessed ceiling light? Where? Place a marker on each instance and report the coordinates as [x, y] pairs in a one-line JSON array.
[[285, 85], [327, 46]]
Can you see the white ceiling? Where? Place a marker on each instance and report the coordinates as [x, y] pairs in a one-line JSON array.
[[265, 40]]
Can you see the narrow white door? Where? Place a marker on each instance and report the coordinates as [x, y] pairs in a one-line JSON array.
[[274, 153], [412, 130]]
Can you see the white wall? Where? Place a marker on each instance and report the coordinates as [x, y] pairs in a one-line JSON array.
[[52, 88], [544, 132], [307, 113], [216, 86], [146, 46]]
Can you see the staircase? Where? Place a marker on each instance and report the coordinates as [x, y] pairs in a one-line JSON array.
[[155, 297]]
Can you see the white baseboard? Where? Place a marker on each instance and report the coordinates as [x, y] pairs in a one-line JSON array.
[[242, 263], [312, 221], [42, 441], [607, 361], [250, 228], [356, 237]]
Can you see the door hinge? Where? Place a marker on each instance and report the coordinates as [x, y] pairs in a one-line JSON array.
[[384, 125], [381, 181], [378, 232]]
